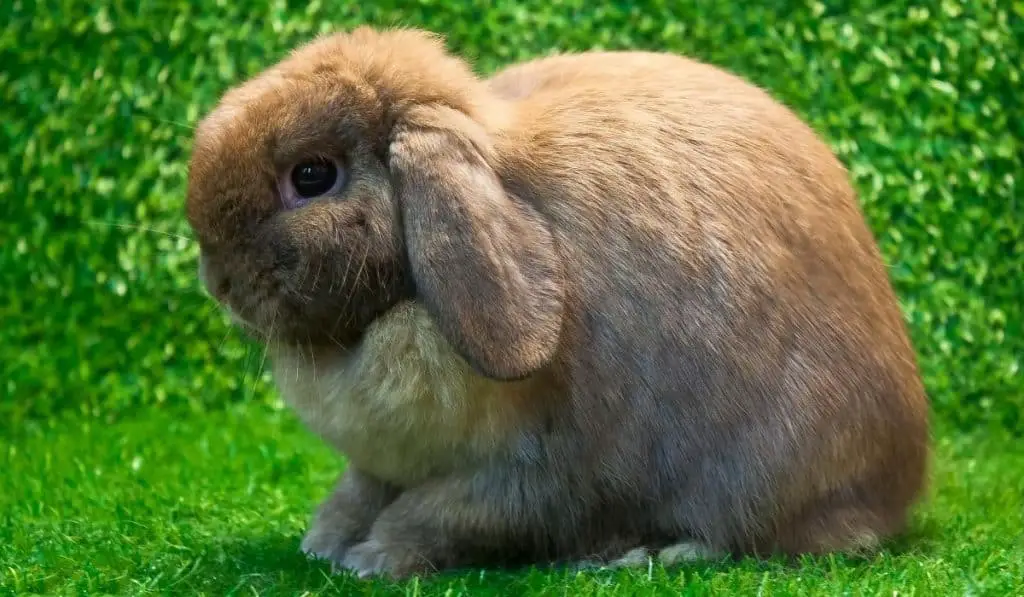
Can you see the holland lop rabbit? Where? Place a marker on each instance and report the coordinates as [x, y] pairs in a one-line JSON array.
[[595, 308]]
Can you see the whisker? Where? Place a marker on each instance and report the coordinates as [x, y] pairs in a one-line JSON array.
[[316, 278], [142, 114], [355, 286], [306, 270], [183, 125], [320, 403], [263, 361], [330, 290], [220, 347], [362, 267], [359, 275], [338, 343], [190, 289], [344, 279], [359, 282], [302, 356], [139, 228], [312, 355], [246, 372]]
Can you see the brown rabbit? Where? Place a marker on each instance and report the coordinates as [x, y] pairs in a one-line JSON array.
[[595, 307]]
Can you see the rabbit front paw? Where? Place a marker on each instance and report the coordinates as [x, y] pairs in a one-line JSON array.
[[344, 519], [323, 542], [376, 558]]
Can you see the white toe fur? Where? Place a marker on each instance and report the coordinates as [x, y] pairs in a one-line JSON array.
[[641, 557], [688, 551], [634, 558]]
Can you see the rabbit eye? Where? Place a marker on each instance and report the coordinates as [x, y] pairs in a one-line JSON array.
[[313, 178]]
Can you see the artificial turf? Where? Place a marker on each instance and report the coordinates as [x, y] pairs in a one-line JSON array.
[[216, 504], [138, 456]]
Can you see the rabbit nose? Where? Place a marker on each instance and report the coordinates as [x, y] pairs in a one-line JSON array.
[[217, 284]]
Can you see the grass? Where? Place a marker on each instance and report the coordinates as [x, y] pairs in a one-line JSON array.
[[140, 454], [217, 504]]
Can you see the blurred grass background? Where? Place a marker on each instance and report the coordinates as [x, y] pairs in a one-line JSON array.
[[107, 344], [101, 309]]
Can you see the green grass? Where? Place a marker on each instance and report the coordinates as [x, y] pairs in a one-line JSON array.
[[217, 505], [140, 449]]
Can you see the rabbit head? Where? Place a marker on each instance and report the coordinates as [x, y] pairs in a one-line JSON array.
[[344, 180]]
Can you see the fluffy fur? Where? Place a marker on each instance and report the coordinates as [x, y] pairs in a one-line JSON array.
[[594, 307], [402, 406]]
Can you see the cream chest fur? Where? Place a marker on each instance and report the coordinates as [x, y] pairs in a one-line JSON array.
[[403, 406]]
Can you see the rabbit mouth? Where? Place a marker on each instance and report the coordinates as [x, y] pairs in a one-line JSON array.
[[257, 316], [252, 309], [272, 311], [295, 297]]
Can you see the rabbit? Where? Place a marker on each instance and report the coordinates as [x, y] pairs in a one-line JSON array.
[[597, 308]]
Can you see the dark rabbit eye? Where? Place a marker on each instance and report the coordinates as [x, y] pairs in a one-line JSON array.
[[313, 178]]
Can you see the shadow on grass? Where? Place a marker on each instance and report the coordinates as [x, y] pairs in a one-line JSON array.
[[273, 565], [921, 539], [270, 564]]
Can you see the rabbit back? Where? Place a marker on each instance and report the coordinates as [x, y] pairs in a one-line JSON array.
[[740, 351]]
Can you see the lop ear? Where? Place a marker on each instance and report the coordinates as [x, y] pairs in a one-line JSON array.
[[484, 262]]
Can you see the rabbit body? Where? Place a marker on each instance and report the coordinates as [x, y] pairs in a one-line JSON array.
[[606, 302]]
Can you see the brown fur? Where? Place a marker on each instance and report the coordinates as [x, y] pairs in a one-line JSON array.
[[595, 305]]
